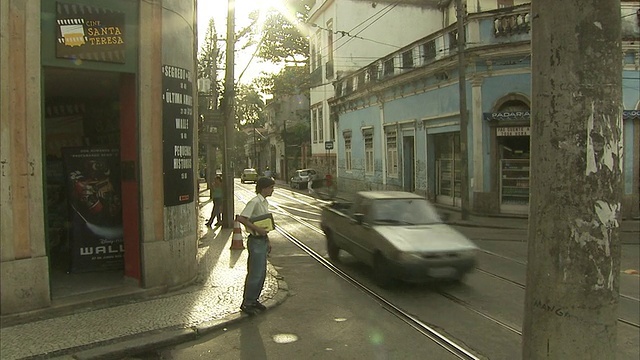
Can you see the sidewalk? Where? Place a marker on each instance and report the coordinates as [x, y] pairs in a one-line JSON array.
[[212, 302]]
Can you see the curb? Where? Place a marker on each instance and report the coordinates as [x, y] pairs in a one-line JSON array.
[[161, 338]]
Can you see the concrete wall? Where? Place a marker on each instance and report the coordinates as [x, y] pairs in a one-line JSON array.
[[169, 236]]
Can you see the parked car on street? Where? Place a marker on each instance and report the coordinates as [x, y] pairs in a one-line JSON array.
[[400, 235], [300, 179], [249, 175]]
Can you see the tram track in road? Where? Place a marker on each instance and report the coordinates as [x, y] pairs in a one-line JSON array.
[[441, 340], [523, 286], [283, 210], [409, 319]]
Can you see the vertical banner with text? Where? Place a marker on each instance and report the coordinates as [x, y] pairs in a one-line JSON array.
[[177, 135]]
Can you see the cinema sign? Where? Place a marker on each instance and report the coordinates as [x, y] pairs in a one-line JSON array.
[[90, 33]]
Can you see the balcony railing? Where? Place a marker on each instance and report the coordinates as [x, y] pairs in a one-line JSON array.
[[494, 27], [512, 24]]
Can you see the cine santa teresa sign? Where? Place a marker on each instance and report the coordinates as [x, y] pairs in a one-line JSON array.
[[90, 33], [177, 135]]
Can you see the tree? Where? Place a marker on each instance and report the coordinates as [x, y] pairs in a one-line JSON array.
[[573, 270], [209, 61], [249, 106], [283, 41], [291, 80], [209, 58]]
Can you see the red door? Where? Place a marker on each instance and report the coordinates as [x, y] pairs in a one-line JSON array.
[[129, 171]]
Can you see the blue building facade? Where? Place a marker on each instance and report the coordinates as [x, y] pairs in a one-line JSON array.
[[398, 119]]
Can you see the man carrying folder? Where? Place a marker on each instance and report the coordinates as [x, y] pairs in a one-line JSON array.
[[256, 213]]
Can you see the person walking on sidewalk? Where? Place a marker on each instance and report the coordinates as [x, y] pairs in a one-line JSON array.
[[258, 246], [310, 186], [218, 202]]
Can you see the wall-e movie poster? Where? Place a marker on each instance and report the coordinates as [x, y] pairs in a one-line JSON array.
[[95, 201]]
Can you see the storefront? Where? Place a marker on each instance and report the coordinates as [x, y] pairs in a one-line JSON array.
[[100, 111], [513, 154], [510, 132]]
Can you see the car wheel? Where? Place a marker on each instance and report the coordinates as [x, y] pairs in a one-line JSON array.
[[381, 270], [332, 249]]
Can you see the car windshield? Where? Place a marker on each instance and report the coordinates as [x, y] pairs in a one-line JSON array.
[[304, 173], [250, 171], [404, 212]]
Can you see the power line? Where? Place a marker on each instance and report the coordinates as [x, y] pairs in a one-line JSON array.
[[388, 8], [347, 34]]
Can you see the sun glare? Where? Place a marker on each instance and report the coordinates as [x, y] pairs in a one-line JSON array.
[[266, 6]]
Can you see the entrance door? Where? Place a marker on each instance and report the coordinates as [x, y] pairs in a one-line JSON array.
[[514, 172], [447, 155], [408, 163], [90, 136], [129, 171]]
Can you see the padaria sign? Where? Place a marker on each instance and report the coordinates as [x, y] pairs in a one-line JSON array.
[[508, 116], [526, 115]]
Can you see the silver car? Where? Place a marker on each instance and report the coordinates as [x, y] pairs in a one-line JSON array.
[[400, 235], [300, 179]]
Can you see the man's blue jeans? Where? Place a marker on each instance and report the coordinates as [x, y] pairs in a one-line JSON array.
[[256, 268]]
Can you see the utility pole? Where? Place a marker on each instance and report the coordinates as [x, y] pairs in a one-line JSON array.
[[573, 271], [229, 120], [464, 117]]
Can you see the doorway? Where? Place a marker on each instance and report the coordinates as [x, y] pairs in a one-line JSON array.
[[89, 127], [408, 163], [447, 159], [514, 156]]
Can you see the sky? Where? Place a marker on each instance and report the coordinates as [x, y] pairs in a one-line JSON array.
[[217, 9]]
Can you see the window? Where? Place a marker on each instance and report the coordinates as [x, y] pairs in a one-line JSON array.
[[505, 3], [348, 86], [392, 153], [347, 150], [429, 51], [372, 73], [332, 128], [314, 126], [329, 49], [318, 50], [338, 87], [388, 67], [407, 60], [312, 58], [453, 40], [368, 150], [320, 120], [360, 80]]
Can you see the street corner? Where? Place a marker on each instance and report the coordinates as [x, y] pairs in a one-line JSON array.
[[276, 289]]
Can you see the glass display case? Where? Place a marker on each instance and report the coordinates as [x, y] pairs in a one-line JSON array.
[[514, 182]]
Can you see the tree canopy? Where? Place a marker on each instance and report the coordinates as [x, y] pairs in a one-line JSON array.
[[248, 106], [283, 39]]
